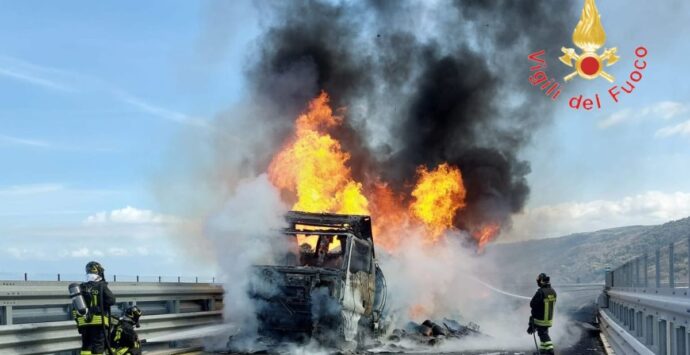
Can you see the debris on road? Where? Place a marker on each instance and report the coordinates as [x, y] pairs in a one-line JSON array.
[[432, 333]]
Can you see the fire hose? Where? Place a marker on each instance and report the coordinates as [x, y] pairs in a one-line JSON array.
[[492, 288], [506, 293]]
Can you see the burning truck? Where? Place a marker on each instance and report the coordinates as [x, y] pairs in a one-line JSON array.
[[417, 129], [329, 286], [323, 280]]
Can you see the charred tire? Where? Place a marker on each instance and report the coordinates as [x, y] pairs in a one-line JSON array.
[[381, 295]]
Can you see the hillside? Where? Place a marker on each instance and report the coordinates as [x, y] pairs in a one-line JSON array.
[[586, 255]]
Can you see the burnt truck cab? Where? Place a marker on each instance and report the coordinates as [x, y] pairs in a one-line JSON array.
[[328, 286]]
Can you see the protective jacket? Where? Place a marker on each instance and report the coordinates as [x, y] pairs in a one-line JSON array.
[[542, 305], [98, 299], [124, 338]]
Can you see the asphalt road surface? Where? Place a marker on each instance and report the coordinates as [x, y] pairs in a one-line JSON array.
[[589, 343], [581, 311]]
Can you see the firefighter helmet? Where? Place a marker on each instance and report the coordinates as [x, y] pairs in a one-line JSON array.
[[94, 267], [133, 313], [543, 279]]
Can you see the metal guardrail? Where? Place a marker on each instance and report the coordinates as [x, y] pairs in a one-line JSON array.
[[25, 276], [35, 316], [618, 338], [52, 337], [667, 267], [645, 308], [44, 301]]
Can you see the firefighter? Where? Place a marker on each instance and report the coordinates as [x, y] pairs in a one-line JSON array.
[[124, 339], [542, 305], [94, 325]]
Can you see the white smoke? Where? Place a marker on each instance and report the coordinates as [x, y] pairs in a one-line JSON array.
[[449, 280], [443, 280], [245, 232], [239, 228]]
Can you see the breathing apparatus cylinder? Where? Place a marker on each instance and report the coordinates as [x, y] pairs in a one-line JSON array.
[[78, 301]]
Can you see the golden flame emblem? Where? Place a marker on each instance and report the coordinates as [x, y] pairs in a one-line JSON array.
[[589, 36]]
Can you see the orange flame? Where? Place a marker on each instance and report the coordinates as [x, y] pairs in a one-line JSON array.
[[314, 166], [486, 234], [418, 311], [314, 169], [311, 239], [439, 194], [389, 216]]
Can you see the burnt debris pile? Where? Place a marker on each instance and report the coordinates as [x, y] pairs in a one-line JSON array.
[[431, 333]]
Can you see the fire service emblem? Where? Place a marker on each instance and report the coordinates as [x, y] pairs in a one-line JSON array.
[[589, 36]]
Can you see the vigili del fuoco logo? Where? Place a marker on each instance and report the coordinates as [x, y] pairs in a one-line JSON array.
[[587, 63]]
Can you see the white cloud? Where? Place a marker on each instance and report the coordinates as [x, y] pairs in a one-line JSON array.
[[121, 254], [681, 129], [30, 189], [26, 253], [39, 213], [129, 215], [31, 74], [41, 144], [80, 253], [118, 251], [104, 230], [84, 252], [665, 110], [24, 141], [56, 79], [652, 207], [162, 112], [45, 252], [617, 117]]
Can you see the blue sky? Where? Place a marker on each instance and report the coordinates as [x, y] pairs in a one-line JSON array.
[[93, 96], [627, 163]]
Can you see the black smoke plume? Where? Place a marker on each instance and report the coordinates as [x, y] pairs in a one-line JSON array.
[[423, 83]]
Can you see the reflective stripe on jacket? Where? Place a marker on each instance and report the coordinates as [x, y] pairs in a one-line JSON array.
[[125, 339], [95, 320], [543, 304], [93, 292]]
